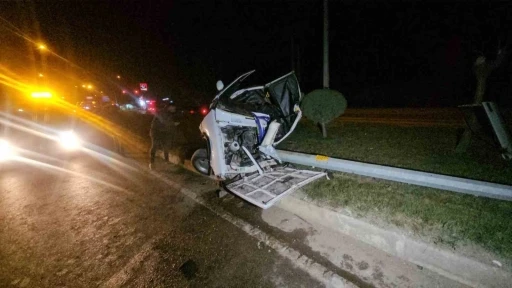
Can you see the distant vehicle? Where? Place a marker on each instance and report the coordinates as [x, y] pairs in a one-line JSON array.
[[199, 110], [93, 105], [89, 104], [35, 132], [151, 106]]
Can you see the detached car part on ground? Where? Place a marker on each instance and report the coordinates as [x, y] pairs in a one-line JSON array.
[[241, 130]]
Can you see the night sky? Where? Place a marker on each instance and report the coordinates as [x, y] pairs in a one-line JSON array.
[[382, 54]]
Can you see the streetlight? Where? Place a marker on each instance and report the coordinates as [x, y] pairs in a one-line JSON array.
[[40, 75], [89, 86], [41, 47], [118, 77]]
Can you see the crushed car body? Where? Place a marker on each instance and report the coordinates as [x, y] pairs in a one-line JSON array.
[[243, 126]]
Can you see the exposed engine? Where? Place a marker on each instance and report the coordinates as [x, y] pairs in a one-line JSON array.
[[234, 139]]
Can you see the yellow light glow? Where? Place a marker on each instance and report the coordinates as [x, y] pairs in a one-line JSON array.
[[41, 75], [89, 86], [42, 46], [41, 95], [118, 77], [125, 136]]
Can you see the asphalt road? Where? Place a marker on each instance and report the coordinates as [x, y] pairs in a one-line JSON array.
[[98, 221]]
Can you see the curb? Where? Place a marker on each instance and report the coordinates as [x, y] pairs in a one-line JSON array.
[[444, 262], [453, 266]]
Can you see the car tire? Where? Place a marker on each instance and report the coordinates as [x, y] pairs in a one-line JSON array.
[[201, 162]]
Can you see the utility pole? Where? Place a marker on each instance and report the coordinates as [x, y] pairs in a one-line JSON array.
[[295, 60], [326, 45], [292, 56], [299, 64]]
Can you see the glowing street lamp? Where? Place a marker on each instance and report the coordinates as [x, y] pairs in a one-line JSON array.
[[40, 75], [41, 47], [89, 86], [118, 77]]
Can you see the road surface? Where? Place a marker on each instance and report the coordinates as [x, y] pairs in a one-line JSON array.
[[95, 222]]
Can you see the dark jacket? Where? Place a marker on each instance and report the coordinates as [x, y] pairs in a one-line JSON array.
[[163, 125]]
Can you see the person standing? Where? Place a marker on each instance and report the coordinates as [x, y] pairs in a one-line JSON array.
[[162, 132]]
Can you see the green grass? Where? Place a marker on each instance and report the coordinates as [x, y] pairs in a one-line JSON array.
[[440, 216], [430, 149]]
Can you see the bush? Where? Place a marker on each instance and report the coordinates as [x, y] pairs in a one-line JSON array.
[[323, 105]]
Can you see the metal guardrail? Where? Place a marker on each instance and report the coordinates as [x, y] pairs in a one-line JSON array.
[[449, 183]]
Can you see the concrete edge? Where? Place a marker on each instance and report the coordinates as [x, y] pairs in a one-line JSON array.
[[451, 265], [446, 263]]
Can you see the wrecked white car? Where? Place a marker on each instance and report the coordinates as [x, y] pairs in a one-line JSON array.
[[241, 130]]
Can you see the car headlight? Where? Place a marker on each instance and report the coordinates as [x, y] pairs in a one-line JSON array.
[[7, 151], [69, 140]]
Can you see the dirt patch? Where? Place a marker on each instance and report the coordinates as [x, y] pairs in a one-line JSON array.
[[362, 265], [299, 235], [378, 275], [348, 266]]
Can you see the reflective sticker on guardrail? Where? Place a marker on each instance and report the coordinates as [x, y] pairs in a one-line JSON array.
[[321, 158]]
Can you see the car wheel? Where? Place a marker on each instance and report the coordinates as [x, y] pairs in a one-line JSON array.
[[201, 162]]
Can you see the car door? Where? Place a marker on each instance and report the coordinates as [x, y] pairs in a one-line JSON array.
[[284, 93]]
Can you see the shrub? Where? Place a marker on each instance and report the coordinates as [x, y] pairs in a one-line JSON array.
[[322, 106]]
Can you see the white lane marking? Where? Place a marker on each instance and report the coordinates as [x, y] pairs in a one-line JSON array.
[[121, 277]]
